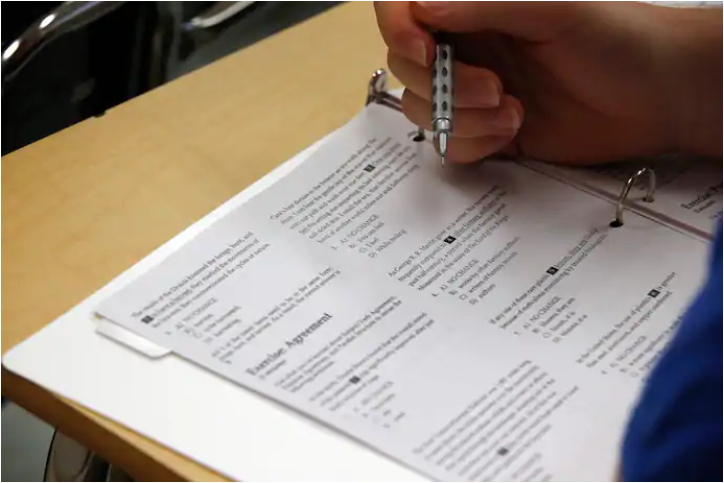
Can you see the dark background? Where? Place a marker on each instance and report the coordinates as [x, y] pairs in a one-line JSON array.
[[124, 53]]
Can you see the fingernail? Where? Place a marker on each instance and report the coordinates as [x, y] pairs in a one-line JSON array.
[[422, 52], [509, 119], [430, 5]]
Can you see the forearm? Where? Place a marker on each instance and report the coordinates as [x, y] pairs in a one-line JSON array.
[[693, 78]]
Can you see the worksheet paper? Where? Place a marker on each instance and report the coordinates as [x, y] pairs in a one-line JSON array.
[[688, 191], [475, 324]]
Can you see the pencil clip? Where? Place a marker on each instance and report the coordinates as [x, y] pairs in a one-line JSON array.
[[618, 220], [377, 93]]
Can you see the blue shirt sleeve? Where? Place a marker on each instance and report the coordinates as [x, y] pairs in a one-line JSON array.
[[675, 431]]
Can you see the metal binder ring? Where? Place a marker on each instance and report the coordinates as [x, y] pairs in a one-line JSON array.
[[377, 92], [618, 220]]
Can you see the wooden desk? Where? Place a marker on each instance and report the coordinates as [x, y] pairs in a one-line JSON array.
[[85, 204]]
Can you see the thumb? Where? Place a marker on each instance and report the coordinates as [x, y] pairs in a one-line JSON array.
[[534, 21]]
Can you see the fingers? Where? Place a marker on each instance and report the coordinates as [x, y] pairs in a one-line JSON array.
[[402, 34], [485, 120], [534, 21], [406, 26], [468, 123], [476, 132], [472, 86]]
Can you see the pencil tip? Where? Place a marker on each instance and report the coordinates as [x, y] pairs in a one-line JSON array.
[[442, 141]]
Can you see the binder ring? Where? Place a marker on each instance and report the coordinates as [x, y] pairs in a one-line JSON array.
[[618, 220], [377, 92]]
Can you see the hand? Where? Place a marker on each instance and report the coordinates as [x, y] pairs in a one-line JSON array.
[[574, 82]]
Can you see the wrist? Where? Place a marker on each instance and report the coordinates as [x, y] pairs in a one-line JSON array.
[[688, 42]]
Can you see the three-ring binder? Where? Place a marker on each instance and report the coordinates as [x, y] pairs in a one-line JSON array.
[[378, 93]]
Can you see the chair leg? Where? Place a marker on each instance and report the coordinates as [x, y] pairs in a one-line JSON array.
[[69, 461]]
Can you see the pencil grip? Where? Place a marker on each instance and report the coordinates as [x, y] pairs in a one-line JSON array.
[[442, 86]]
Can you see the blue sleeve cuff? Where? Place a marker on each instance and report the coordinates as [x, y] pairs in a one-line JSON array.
[[675, 432]]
